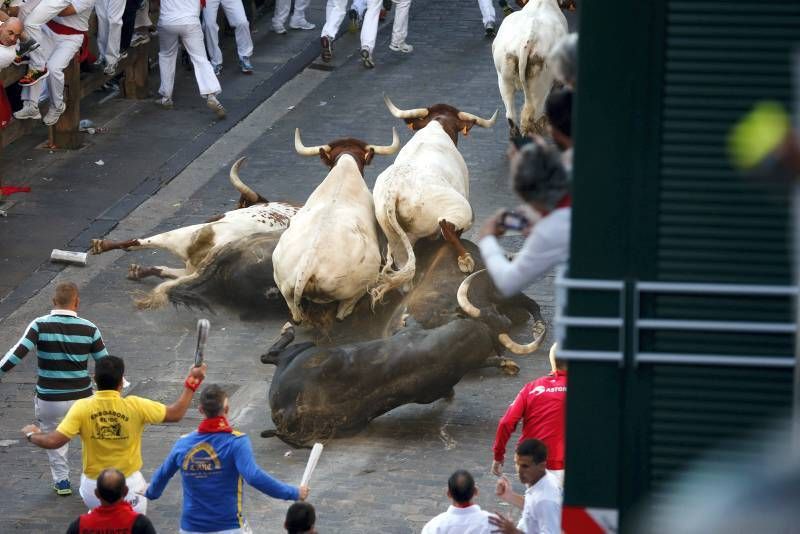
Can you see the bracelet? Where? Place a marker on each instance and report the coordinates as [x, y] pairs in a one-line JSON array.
[[188, 384]]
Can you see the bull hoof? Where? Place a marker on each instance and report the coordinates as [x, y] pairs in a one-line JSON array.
[[509, 367], [97, 246], [269, 433], [466, 264], [134, 272]]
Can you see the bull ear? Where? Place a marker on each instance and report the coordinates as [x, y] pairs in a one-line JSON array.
[[368, 155]]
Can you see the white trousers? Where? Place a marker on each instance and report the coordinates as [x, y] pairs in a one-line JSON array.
[[59, 51], [191, 35], [282, 8], [360, 6], [336, 10], [49, 414], [35, 24], [109, 28], [143, 16], [234, 12], [136, 485], [487, 11], [400, 24]]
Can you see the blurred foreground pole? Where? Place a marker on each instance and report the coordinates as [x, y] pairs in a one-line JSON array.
[[796, 210]]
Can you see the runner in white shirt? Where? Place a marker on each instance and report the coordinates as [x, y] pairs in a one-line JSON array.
[[541, 504], [10, 30], [180, 19], [462, 517]]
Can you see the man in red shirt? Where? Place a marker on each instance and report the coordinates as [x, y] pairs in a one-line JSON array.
[[114, 514], [540, 405]]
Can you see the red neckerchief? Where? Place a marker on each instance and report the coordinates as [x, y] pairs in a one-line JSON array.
[[214, 424], [459, 505], [565, 202]]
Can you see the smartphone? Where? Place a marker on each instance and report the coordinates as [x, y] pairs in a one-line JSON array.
[[512, 220]]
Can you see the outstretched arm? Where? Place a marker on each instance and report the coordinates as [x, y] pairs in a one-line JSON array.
[[26, 343], [162, 476], [258, 478], [48, 440]]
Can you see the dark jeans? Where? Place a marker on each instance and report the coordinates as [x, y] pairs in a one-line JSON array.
[[128, 21]]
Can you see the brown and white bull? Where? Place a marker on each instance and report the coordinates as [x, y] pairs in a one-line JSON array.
[[520, 49], [330, 252], [197, 243], [425, 191]]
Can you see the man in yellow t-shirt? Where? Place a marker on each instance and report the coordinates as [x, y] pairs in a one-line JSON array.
[[110, 427]]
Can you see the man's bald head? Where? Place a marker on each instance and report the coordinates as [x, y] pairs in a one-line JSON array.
[[10, 31], [111, 486]]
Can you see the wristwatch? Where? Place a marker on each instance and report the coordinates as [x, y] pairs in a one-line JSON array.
[[28, 435]]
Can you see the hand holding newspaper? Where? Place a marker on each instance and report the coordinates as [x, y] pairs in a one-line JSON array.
[[313, 458]]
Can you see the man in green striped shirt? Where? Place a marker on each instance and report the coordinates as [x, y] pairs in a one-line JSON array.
[[63, 343]]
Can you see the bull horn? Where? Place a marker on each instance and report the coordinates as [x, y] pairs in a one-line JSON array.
[[385, 150], [307, 150], [539, 328], [240, 186], [416, 113], [486, 123], [552, 356], [463, 296]]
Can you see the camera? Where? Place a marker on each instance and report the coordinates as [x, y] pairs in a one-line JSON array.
[[514, 221]]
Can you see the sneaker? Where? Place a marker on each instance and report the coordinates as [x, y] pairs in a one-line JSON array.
[[63, 487], [302, 25], [99, 62], [245, 65], [489, 27], [327, 49], [280, 30], [29, 111], [366, 58], [123, 54], [52, 116], [26, 47], [218, 69], [140, 38], [21, 60], [353, 16], [507, 10], [110, 69], [33, 77], [164, 101], [214, 105], [402, 47]]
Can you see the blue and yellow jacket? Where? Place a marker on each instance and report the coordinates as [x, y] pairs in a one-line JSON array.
[[213, 466]]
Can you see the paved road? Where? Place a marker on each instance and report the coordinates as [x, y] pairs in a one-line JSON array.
[[394, 473]]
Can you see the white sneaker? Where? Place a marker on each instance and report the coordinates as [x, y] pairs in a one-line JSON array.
[[402, 47], [215, 106], [140, 38], [302, 25], [110, 69], [280, 30], [53, 114], [164, 102], [29, 111]]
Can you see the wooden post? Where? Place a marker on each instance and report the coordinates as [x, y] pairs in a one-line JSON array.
[[64, 134], [136, 73]]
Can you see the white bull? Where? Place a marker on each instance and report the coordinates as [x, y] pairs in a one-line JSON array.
[[425, 191], [196, 243], [523, 42], [330, 252]]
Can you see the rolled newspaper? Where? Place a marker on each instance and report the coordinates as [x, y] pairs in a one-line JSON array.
[[67, 256], [313, 458]]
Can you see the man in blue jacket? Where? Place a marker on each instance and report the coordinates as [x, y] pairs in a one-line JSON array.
[[213, 461]]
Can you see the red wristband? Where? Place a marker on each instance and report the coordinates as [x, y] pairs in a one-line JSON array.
[[188, 384]]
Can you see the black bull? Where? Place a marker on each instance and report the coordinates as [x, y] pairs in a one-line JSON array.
[[412, 349]]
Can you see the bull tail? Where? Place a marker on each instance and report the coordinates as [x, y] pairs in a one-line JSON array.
[[191, 294], [396, 237], [300, 283]]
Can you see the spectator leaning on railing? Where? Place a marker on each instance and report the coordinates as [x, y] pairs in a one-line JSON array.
[[539, 178]]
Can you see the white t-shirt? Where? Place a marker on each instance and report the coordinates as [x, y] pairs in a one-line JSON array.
[[179, 12], [542, 511], [80, 20], [545, 247], [469, 520], [7, 55]]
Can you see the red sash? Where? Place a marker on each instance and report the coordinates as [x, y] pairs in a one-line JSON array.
[[60, 29]]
